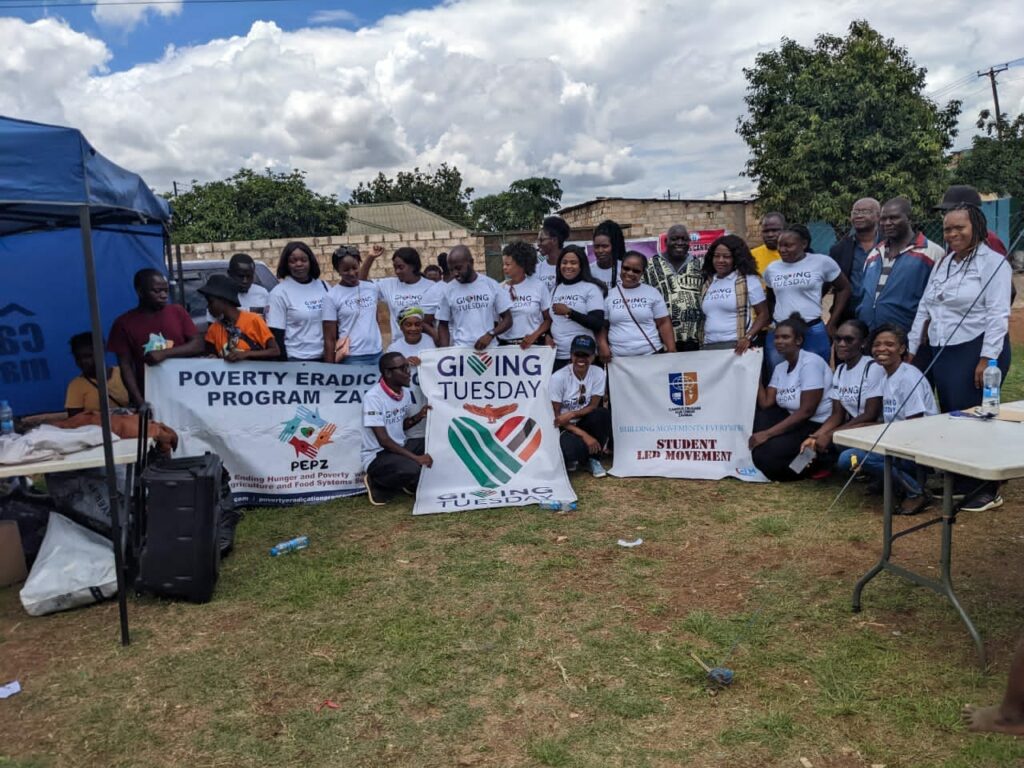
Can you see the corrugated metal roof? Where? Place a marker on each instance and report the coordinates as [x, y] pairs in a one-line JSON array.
[[383, 218]]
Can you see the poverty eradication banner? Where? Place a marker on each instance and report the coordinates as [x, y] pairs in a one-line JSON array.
[[289, 433], [685, 415], [490, 430]]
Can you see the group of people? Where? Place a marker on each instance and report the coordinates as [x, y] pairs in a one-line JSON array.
[[900, 305]]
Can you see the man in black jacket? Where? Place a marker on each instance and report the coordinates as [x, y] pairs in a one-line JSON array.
[[852, 251]]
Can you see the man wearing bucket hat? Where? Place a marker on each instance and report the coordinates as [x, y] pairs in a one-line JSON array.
[[576, 392], [235, 334]]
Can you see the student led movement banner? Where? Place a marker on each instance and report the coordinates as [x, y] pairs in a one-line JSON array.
[[289, 433], [686, 415], [490, 430]]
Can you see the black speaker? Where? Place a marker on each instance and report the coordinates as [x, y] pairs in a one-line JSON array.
[[180, 528]]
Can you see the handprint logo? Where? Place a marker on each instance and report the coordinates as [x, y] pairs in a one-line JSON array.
[[307, 432]]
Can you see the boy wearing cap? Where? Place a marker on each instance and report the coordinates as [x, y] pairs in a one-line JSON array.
[[235, 334], [576, 392]]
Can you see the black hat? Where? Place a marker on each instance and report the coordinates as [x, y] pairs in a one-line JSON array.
[[583, 344], [959, 194], [221, 287]]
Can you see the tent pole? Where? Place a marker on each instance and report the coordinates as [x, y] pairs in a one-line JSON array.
[[99, 355]]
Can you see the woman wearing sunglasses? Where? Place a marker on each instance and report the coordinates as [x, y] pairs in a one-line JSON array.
[[576, 393], [637, 317]]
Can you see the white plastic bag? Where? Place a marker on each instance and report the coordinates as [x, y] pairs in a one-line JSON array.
[[75, 567]]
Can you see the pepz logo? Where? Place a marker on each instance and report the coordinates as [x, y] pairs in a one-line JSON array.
[[684, 392], [307, 432]]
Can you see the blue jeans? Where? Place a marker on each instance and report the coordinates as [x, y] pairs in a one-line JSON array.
[[369, 359], [816, 341], [904, 471]]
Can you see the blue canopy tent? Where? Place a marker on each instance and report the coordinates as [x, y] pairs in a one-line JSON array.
[[52, 182]]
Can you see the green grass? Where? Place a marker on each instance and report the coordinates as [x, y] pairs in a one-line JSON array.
[[524, 638]]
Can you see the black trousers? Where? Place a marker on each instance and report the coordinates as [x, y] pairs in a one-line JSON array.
[[597, 424], [390, 472], [773, 457]]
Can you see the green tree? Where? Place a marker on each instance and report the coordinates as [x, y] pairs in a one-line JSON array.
[[522, 206], [440, 191], [842, 120], [255, 206], [995, 161]]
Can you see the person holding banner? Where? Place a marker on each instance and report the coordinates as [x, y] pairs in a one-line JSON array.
[[609, 250], [391, 462], [408, 287], [349, 314], [473, 310], [576, 394], [796, 283], [577, 305], [530, 298], [792, 406], [296, 304], [731, 293], [637, 318], [235, 334]]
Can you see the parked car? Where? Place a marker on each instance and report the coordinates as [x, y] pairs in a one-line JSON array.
[[196, 273]]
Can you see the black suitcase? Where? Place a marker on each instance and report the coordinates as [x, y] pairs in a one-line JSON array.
[[180, 528]]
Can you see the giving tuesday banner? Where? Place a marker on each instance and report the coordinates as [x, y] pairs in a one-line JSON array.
[[687, 415], [490, 430], [289, 433]]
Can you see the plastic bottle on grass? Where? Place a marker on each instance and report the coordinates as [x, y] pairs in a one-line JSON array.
[[293, 545], [558, 506], [6, 418], [991, 381]]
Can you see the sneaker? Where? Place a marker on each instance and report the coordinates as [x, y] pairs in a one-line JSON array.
[[596, 469], [913, 505], [375, 500], [982, 502]]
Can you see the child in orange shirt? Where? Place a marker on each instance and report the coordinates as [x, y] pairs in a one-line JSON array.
[[235, 334]]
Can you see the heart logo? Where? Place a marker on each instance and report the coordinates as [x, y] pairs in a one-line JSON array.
[[479, 362], [307, 431], [493, 459]]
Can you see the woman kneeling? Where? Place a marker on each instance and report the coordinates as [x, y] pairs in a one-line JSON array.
[[576, 392]]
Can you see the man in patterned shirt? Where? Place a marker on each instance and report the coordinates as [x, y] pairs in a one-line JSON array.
[[678, 277]]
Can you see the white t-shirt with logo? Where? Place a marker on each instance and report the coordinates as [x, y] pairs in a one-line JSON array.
[[719, 307], [546, 273], [566, 389], [907, 380], [580, 297], [398, 295], [810, 372], [355, 311], [408, 350], [472, 309], [853, 387], [531, 299], [297, 308], [604, 274], [797, 286], [624, 336], [382, 410]]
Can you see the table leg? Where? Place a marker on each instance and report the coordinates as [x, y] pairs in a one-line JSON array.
[[887, 507]]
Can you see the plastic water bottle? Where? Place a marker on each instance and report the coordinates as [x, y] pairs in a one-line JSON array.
[[991, 380], [558, 506], [293, 545], [6, 418]]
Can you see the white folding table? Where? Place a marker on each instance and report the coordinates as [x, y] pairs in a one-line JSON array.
[[125, 452], [986, 449]]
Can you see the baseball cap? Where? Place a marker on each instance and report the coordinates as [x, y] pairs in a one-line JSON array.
[[583, 344], [959, 194]]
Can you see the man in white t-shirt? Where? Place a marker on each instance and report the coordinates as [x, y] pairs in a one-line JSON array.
[[576, 392], [473, 310], [251, 296], [390, 461]]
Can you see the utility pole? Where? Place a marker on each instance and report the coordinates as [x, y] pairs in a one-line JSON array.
[[991, 75]]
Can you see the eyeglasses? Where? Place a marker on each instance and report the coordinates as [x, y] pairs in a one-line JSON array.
[[634, 270], [404, 367], [846, 339]]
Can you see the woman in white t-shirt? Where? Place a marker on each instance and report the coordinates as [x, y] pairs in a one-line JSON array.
[[577, 305], [636, 317], [408, 287], [609, 249], [856, 388], [554, 231], [351, 333], [296, 304], [531, 299], [906, 394], [576, 392], [412, 343], [796, 282], [732, 298], [793, 405]]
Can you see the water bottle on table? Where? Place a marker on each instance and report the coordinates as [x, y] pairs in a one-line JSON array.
[[991, 381], [292, 545], [6, 418]]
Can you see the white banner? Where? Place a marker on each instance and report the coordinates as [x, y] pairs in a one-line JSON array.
[[289, 433], [688, 415], [490, 430]]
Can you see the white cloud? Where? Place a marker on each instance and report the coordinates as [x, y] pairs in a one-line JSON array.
[[128, 13], [335, 16], [612, 98]]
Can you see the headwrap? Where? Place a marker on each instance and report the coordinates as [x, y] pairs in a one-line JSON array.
[[408, 312]]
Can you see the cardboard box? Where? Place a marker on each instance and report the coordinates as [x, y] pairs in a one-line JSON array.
[[12, 558]]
